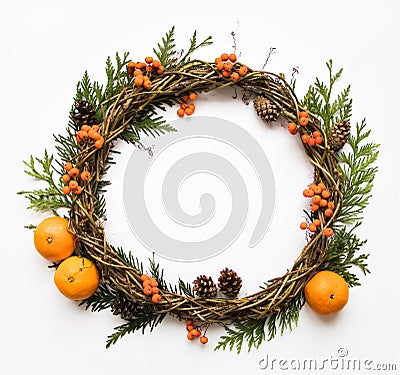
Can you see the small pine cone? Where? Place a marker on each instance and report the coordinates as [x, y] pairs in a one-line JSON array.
[[204, 287], [229, 283], [123, 306], [83, 114], [339, 135], [265, 109]]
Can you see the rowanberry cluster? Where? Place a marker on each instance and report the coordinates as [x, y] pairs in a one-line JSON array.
[[193, 332], [150, 288], [88, 133], [319, 195], [142, 71], [226, 64], [72, 178], [187, 108]]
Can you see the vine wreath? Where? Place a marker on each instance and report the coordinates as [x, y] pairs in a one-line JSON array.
[[127, 106]]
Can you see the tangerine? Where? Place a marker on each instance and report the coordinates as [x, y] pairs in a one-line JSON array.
[[53, 240], [77, 278], [327, 292]]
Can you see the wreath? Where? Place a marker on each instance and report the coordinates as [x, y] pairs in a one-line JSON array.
[[127, 106]]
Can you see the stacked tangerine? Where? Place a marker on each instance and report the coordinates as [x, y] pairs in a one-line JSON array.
[[142, 71], [193, 332], [72, 178], [226, 64], [320, 202]]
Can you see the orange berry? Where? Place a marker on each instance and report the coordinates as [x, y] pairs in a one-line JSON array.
[[160, 70], [185, 98], [138, 80], [189, 327], [203, 339], [146, 283], [149, 68], [308, 193], [77, 190], [331, 205], [318, 140], [226, 73], [99, 143], [156, 298], [85, 176], [67, 166], [316, 199], [218, 60], [91, 133], [153, 281], [189, 322], [82, 135], [131, 67], [317, 189], [224, 57], [148, 59], [303, 114], [184, 105], [243, 70], [195, 332], [180, 112], [73, 184], [316, 133], [190, 336], [322, 186], [312, 187], [147, 290], [192, 106], [144, 277], [155, 290], [137, 73], [311, 142], [314, 207], [96, 136], [232, 57], [147, 84], [325, 193], [74, 172], [219, 65], [292, 127], [303, 225], [317, 222], [228, 66], [303, 121], [192, 96], [189, 111], [305, 138], [156, 64], [312, 228], [328, 232], [328, 212], [85, 128], [323, 203], [96, 128], [66, 190], [235, 76], [66, 178]]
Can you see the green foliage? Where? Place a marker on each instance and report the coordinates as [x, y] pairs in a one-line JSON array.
[[51, 198], [318, 100], [141, 321], [251, 331], [100, 300], [358, 173], [255, 331], [195, 46], [342, 255]]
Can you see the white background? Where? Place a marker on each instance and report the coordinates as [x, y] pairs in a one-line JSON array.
[[46, 46]]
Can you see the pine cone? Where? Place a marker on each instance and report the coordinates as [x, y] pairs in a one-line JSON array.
[[265, 109], [83, 114], [124, 306], [339, 135], [204, 287], [229, 283]]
